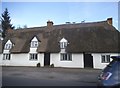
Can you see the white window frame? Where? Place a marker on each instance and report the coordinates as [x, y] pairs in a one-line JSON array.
[[34, 44], [63, 45], [66, 57], [6, 56], [105, 58], [33, 56], [8, 46]]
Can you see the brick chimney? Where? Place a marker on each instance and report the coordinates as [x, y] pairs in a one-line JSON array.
[[109, 21], [49, 24]]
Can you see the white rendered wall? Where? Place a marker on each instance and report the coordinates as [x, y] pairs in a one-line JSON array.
[[41, 59], [97, 60], [23, 60], [6, 62], [33, 50], [6, 51], [77, 61]]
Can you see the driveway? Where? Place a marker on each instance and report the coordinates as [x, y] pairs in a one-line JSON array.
[[33, 76]]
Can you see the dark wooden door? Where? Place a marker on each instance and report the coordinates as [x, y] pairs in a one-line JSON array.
[[46, 59], [88, 61]]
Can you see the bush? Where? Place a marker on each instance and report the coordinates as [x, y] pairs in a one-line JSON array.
[[52, 65], [38, 64]]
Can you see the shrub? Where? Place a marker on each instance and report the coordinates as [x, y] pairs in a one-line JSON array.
[[52, 65], [38, 64]]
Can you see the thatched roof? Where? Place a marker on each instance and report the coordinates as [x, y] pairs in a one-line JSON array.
[[95, 37]]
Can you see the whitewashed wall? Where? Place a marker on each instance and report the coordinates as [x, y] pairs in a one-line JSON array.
[[97, 60], [77, 61], [33, 50], [23, 60], [6, 62], [41, 59], [6, 51]]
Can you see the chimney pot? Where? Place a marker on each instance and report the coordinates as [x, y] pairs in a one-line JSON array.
[[109, 21], [49, 24]]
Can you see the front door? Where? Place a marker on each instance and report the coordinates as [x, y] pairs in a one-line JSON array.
[[46, 59], [88, 60]]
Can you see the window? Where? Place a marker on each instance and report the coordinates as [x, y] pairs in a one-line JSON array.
[[63, 43], [34, 44], [8, 46], [6, 56], [33, 56], [105, 58], [66, 57]]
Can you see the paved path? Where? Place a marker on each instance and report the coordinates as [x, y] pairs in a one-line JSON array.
[[32, 76]]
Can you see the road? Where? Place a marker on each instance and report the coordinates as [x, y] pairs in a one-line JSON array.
[[0, 77], [33, 76]]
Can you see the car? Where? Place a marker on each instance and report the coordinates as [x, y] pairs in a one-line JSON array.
[[110, 75]]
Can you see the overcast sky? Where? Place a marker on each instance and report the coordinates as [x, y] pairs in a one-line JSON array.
[[36, 14]]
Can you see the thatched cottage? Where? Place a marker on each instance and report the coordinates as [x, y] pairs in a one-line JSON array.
[[73, 45]]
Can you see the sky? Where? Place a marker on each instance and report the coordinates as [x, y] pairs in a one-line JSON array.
[[36, 14]]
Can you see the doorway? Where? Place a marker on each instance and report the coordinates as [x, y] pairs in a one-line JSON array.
[[46, 59], [88, 60]]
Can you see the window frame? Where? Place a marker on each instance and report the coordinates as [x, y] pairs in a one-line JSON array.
[[33, 56], [65, 57], [63, 45], [105, 58], [6, 56], [34, 44], [8, 46]]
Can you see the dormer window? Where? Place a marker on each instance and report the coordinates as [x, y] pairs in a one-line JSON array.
[[63, 43], [34, 43], [8, 45]]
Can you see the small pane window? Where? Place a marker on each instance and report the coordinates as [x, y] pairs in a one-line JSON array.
[[108, 58], [6, 56], [66, 57], [8, 46], [34, 44], [33, 56], [63, 43], [105, 59]]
